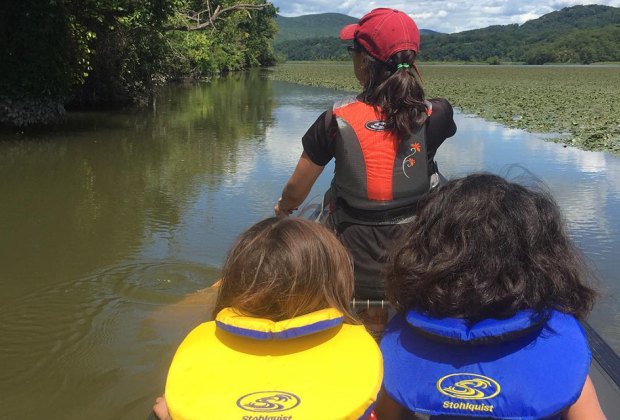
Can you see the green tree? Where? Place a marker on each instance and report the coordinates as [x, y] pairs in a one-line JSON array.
[[128, 51], [43, 56], [493, 61], [42, 49], [208, 38], [93, 52], [540, 55]]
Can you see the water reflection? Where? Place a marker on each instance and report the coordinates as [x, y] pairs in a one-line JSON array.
[[103, 219], [111, 218]]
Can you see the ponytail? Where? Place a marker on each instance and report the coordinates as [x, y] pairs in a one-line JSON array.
[[393, 88]]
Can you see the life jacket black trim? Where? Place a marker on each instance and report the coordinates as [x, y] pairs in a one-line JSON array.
[[378, 179]]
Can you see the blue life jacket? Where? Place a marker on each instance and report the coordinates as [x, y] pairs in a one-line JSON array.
[[530, 366]]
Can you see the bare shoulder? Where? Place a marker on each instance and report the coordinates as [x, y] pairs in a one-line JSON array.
[[587, 406]]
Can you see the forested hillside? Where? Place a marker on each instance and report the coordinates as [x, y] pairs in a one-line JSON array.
[[579, 34], [314, 37], [311, 26], [92, 52]]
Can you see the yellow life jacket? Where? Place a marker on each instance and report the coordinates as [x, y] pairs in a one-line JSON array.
[[309, 367]]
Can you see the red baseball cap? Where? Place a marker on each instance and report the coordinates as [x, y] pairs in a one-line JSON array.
[[384, 32]]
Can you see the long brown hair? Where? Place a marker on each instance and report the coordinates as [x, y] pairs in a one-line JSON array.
[[483, 247], [287, 267], [395, 91]]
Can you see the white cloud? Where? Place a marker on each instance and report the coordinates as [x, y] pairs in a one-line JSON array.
[[443, 16]]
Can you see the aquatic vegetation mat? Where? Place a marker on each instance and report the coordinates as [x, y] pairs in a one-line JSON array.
[[580, 103]]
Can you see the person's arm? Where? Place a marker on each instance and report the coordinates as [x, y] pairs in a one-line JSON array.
[[587, 406], [160, 409], [441, 125], [298, 186]]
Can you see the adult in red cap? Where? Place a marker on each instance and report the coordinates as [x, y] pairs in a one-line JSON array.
[[384, 32], [384, 141]]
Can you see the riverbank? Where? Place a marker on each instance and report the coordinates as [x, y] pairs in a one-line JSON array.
[[581, 103]]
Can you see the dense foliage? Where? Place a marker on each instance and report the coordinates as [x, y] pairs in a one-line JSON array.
[[93, 52], [580, 34], [240, 41], [126, 51], [313, 49], [317, 47], [320, 25], [42, 48]]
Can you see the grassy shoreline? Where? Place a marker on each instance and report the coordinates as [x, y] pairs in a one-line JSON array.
[[582, 103]]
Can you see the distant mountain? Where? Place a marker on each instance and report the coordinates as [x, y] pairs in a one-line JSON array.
[[576, 17], [579, 34], [321, 25]]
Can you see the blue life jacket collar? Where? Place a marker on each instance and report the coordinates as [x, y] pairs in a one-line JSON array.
[[462, 331], [499, 370]]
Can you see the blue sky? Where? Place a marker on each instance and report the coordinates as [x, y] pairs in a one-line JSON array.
[[441, 15]]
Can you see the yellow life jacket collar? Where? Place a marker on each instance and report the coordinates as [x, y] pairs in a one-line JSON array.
[[230, 320]]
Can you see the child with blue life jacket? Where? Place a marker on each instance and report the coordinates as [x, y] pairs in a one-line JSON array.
[[284, 343], [383, 141], [488, 288]]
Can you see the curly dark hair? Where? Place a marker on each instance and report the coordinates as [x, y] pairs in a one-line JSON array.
[[483, 247]]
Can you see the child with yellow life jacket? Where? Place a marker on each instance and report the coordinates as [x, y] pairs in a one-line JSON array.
[[284, 344], [488, 287]]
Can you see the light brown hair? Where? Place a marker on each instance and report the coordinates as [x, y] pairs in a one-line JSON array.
[[282, 268]]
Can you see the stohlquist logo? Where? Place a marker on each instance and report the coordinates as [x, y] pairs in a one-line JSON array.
[[268, 401], [468, 386], [376, 125]]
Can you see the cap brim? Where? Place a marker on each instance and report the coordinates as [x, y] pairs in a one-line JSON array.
[[348, 32]]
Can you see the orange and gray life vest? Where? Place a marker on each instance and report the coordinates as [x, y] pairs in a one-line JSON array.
[[379, 178]]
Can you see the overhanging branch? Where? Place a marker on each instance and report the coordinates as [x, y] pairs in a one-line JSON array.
[[199, 24]]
